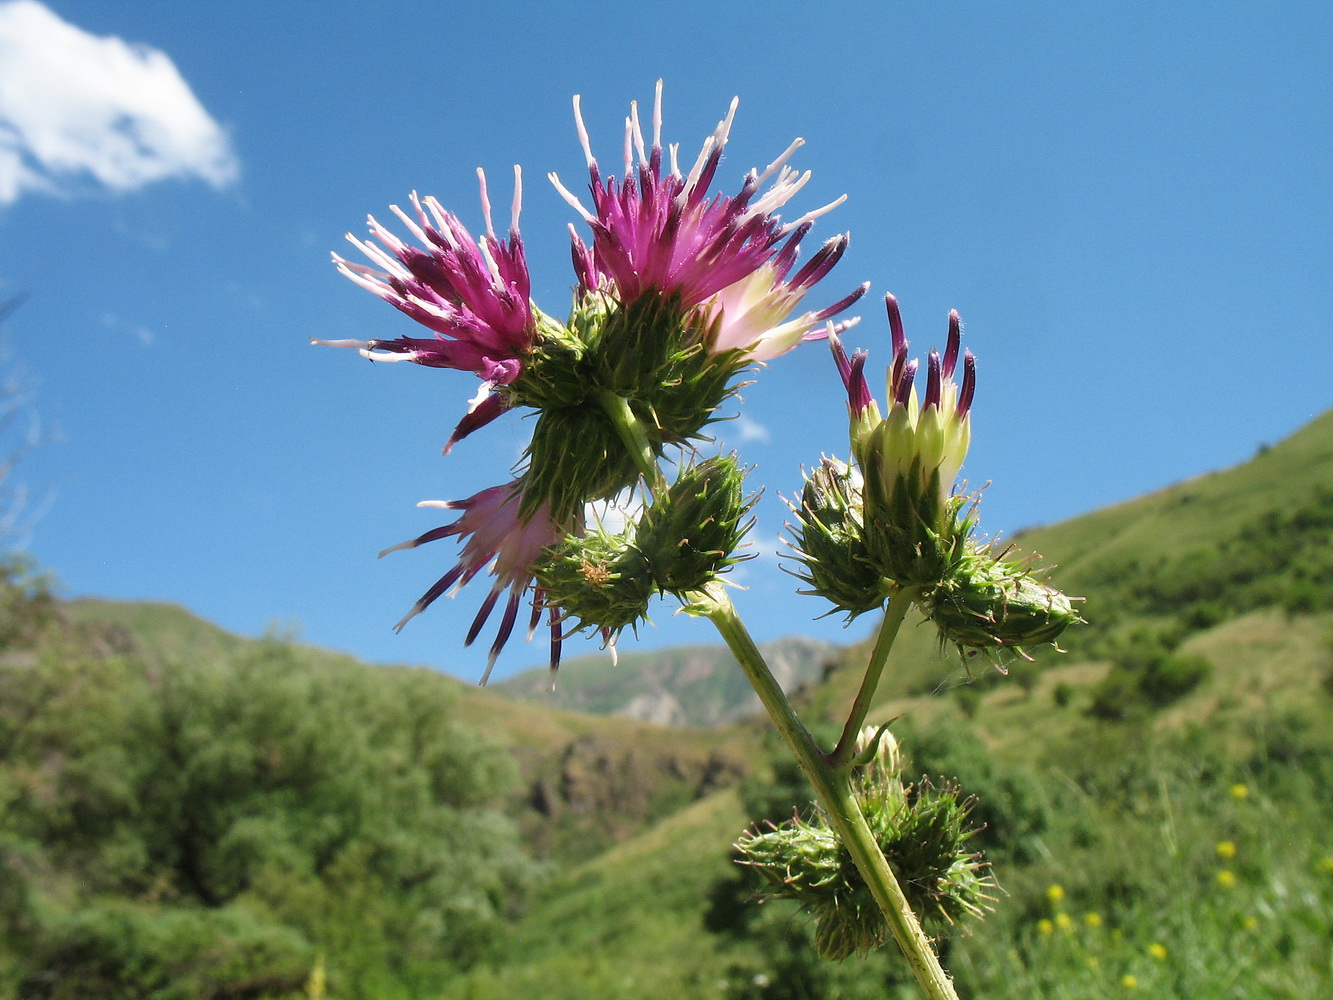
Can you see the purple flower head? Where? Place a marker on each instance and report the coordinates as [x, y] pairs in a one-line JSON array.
[[656, 230], [472, 296], [933, 430], [494, 535]]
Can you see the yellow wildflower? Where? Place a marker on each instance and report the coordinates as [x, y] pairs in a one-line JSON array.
[[1064, 921], [1055, 893], [1240, 791], [1226, 879], [1226, 850], [1045, 927], [1092, 919], [1157, 951], [1129, 982]]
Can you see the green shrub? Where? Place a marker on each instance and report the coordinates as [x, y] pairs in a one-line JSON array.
[[216, 822], [116, 949], [1169, 678]]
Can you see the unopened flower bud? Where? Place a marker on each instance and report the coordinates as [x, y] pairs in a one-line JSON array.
[[600, 578], [690, 531], [830, 540], [988, 603], [923, 831], [910, 457], [878, 756]]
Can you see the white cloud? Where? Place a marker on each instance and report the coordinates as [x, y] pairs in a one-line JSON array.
[[614, 514], [113, 322], [76, 108], [748, 429]]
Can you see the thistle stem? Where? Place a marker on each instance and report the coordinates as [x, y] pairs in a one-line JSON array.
[[833, 787], [901, 600], [635, 437]]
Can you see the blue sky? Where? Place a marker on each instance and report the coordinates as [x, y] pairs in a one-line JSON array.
[[1131, 205]]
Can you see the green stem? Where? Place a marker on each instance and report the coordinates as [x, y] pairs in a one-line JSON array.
[[833, 787], [635, 437], [888, 631]]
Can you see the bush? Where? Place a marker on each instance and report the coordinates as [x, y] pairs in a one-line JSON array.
[[216, 822], [1117, 697], [117, 949], [1165, 680]]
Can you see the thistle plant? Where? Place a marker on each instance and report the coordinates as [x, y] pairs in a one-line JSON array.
[[678, 294]]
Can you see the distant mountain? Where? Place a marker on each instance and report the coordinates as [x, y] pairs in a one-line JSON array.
[[686, 686]]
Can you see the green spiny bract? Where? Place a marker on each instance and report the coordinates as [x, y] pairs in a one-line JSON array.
[[830, 541], [913, 538], [923, 832], [652, 354], [681, 542], [987, 603], [575, 457], [690, 532], [601, 579]]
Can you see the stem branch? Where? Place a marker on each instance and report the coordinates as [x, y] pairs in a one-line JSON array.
[[635, 438], [888, 631], [833, 787]]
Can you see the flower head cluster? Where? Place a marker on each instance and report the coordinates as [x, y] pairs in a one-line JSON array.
[[678, 291], [893, 519], [924, 832], [677, 545]]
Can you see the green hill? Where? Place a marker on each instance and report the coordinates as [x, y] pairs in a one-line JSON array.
[[686, 686]]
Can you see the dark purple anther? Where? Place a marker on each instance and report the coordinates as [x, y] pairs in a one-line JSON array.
[[782, 261], [955, 338], [840, 359], [484, 612], [896, 327], [556, 639], [822, 262], [969, 383], [837, 307], [902, 390], [858, 392], [700, 189], [479, 416], [853, 375], [932, 380], [585, 266]]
